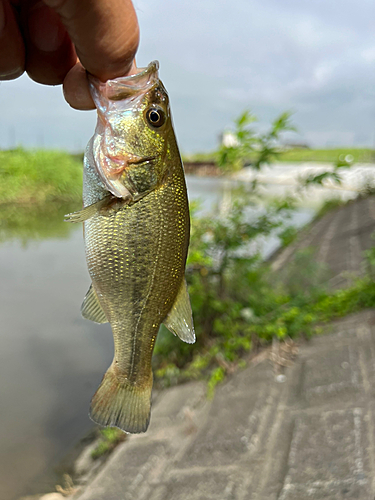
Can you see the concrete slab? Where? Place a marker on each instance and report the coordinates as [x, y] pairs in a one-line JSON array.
[[201, 485]]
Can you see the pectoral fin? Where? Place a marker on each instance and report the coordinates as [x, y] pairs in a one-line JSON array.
[[102, 207], [179, 319], [91, 308], [86, 213]]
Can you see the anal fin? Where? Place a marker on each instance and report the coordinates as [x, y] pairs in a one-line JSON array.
[[91, 308], [180, 319]]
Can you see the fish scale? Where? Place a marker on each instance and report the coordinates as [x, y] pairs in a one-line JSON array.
[[111, 243]]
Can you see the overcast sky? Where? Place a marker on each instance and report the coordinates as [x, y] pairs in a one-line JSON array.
[[218, 57]]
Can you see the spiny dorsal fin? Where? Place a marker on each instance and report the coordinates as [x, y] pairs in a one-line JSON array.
[[179, 319], [91, 308]]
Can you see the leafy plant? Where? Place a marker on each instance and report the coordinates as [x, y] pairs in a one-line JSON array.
[[238, 303], [333, 175], [250, 148]]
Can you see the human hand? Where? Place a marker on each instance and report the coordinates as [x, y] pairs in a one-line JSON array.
[[56, 41]]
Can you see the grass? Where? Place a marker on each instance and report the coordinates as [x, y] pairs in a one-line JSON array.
[[328, 205], [327, 155], [39, 177], [36, 189], [110, 437]]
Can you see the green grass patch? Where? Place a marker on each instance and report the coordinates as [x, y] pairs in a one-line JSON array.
[[361, 155], [330, 204], [38, 177], [37, 188], [110, 437]]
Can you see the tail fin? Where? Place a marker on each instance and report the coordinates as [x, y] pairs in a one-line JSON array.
[[118, 403]]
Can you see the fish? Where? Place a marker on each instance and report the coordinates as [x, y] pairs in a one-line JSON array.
[[136, 232]]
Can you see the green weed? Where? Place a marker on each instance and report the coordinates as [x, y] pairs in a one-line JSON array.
[[110, 437]]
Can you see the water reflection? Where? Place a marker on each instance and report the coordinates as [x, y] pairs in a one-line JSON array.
[[35, 222], [51, 359]]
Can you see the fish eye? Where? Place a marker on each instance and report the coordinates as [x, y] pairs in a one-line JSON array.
[[155, 117]]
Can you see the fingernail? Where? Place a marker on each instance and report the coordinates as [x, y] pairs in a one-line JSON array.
[[11, 74], [45, 28], [2, 17]]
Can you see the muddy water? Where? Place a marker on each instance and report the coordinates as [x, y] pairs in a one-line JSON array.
[[51, 360]]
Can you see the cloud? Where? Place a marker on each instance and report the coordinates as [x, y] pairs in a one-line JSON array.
[[219, 57]]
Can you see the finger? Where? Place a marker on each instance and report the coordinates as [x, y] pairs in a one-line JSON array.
[[76, 88], [49, 52], [12, 51], [105, 33]]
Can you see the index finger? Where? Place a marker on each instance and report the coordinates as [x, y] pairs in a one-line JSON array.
[[105, 33]]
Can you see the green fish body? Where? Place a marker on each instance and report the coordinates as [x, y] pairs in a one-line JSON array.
[[136, 231]]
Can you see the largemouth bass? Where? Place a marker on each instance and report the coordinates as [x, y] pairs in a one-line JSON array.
[[136, 232]]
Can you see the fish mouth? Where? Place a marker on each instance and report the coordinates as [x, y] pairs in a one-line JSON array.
[[124, 87], [144, 159], [114, 166]]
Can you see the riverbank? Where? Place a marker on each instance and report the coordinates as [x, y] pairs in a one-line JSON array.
[[301, 155], [187, 429], [39, 177]]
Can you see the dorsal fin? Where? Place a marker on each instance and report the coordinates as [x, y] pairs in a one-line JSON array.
[[179, 319], [91, 308]]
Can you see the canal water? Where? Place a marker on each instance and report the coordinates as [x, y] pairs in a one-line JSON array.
[[51, 360]]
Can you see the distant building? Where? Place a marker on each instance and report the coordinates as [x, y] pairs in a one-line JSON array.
[[295, 145], [228, 139]]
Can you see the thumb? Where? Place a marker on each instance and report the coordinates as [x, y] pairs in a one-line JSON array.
[[105, 33]]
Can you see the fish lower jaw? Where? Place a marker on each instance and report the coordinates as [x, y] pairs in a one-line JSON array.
[[110, 171]]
